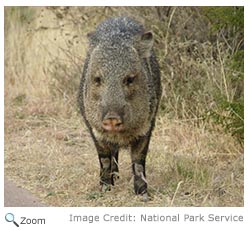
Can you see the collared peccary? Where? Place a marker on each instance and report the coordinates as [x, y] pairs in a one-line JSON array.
[[119, 96]]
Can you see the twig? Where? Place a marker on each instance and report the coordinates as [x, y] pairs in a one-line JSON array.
[[166, 38], [223, 72], [177, 188]]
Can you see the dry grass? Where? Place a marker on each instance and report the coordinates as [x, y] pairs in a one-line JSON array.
[[49, 151], [56, 160]]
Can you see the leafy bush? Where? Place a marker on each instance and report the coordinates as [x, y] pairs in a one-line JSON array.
[[227, 24]]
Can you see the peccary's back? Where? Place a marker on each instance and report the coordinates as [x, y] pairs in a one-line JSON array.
[[121, 30], [156, 75]]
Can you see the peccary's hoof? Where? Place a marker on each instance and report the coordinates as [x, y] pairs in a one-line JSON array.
[[145, 197], [115, 176], [105, 187]]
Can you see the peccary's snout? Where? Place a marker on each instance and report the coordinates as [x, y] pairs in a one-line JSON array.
[[112, 122]]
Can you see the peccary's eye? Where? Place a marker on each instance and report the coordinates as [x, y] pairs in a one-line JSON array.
[[129, 79], [97, 81]]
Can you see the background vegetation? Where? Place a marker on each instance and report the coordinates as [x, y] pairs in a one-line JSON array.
[[196, 154]]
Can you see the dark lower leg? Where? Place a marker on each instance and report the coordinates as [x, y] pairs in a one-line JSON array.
[[108, 158], [138, 154], [140, 183], [105, 169]]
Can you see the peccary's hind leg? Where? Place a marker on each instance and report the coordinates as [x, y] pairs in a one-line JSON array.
[[139, 150], [114, 166], [106, 153]]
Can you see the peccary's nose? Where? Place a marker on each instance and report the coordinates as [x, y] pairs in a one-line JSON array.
[[112, 122]]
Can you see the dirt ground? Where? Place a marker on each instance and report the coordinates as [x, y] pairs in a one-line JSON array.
[[55, 159]]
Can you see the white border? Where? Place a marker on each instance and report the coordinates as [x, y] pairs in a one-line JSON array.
[[58, 217], [246, 108], [2, 104], [128, 3]]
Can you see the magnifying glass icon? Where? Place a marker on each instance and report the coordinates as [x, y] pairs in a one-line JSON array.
[[9, 217]]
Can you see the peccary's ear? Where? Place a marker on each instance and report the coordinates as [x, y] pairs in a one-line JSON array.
[[92, 38], [146, 44], [90, 35]]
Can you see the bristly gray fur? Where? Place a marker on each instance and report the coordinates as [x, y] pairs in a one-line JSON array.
[[121, 76]]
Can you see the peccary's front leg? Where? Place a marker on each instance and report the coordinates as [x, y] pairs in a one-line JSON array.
[[139, 150], [108, 158]]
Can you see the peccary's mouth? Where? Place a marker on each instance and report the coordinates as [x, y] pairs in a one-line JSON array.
[[113, 129]]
